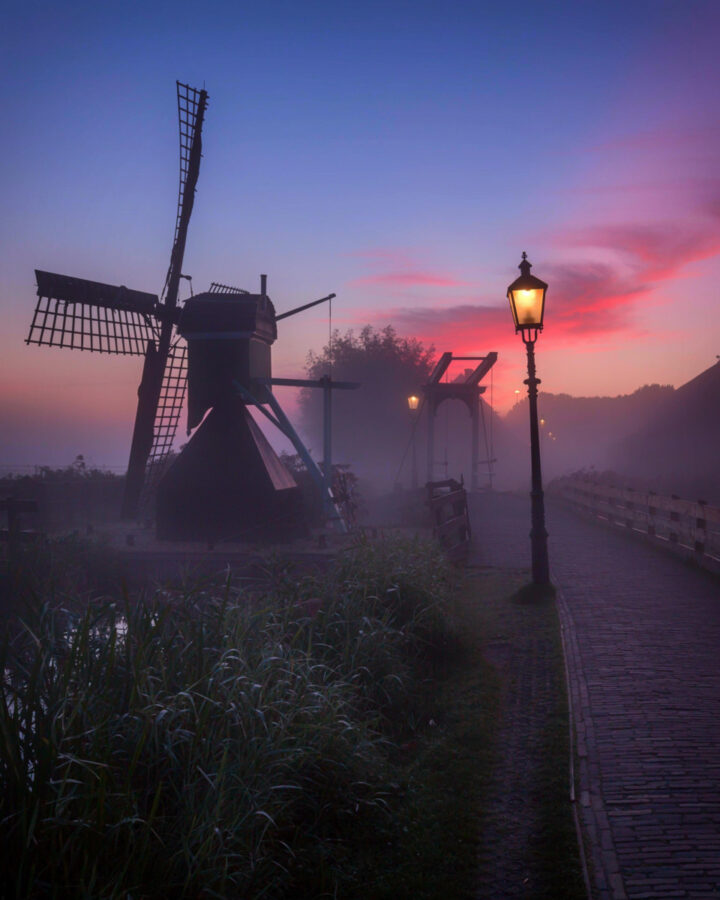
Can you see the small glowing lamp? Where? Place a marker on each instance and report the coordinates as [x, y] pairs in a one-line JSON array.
[[413, 403], [527, 300]]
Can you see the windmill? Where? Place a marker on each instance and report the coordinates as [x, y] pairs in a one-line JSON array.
[[218, 342]]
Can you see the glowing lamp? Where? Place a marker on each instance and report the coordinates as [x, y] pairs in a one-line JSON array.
[[413, 403], [527, 300]]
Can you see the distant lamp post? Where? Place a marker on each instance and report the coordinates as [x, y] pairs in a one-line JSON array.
[[413, 404], [527, 303]]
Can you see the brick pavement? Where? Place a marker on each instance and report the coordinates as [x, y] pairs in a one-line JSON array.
[[642, 638]]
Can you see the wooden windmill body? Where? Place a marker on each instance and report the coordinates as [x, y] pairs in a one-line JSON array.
[[216, 347]]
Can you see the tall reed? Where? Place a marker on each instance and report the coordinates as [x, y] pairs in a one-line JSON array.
[[209, 743]]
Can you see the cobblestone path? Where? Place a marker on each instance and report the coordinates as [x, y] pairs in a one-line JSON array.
[[642, 637]]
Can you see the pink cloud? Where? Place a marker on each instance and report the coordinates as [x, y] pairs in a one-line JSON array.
[[642, 258], [387, 256], [478, 325], [581, 291], [576, 292], [591, 297], [698, 186], [397, 269], [657, 251], [409, 279], [468, 327], [660, 139]]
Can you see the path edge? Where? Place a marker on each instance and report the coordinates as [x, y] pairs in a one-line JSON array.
[[591, 821]]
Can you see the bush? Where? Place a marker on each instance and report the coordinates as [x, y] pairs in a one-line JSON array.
[[211, 743]]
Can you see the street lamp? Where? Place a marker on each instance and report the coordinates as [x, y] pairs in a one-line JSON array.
[[413, 404], [527, 303]]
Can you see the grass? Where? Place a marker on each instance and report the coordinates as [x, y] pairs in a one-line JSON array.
[[209, 743], [447, 770], [326, 737]]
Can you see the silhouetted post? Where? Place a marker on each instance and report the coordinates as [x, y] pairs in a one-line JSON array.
[[327, 442], [413, 404], [527, 302], [475, 446], [431, 410], [538, 533]]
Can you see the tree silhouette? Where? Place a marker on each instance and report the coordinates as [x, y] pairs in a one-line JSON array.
[[371, 426]]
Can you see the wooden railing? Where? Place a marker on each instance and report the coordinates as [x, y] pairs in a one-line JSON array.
[[690, 527], [451, 522]]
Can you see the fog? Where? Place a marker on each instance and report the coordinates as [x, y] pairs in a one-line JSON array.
[[657, 437]]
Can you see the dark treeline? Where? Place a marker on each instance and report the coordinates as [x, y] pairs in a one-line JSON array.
[[657, 436], [587, 432], [69, 497]]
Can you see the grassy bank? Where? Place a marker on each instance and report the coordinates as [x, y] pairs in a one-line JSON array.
[[333, 737], [211, 743]]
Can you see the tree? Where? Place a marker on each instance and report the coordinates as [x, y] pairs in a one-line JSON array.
[[371, 425]]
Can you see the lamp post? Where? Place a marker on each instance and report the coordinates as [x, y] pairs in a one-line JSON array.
[[413, 404], [527, 303]]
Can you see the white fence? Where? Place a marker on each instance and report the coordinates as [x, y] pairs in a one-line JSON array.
[[689, 527]]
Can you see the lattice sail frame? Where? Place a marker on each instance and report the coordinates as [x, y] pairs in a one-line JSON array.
[[217, 288], [78, 314], [167, 417], [188, 102]]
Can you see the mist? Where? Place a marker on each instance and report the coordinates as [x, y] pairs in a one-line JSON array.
[[657, 437]]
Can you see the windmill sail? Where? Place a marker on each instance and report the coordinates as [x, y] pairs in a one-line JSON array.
[[88, 315], [172, 397], [153, 436], [167, 417], [217, 288], [191, 114], [191, 111]]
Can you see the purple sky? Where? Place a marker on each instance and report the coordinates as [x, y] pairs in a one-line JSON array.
[[400, 154]]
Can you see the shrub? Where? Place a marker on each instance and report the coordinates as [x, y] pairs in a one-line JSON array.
[[209, 742]]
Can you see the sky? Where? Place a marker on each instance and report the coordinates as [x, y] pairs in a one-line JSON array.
[[399, 154]]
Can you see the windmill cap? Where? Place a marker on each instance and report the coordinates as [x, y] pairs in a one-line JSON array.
[[228, 316]]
